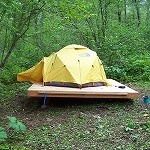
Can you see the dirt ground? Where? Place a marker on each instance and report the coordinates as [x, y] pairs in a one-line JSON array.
[[30, 112], [60, 111]]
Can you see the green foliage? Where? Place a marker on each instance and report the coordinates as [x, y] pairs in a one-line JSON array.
[[148, 124], [3, 134], [144, 125], [138, 67], [14, 124], [7, 147], [130, 126], [15, 19], [133, 68], [123, 45], [116, 72]]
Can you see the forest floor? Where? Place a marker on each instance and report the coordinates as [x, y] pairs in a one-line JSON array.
[[77, 124]]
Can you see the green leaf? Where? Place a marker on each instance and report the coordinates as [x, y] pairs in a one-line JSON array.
[[12, 119], [3, 134], [131, 125], [15, 124]]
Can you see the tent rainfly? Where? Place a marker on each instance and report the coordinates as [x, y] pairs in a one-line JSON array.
[[72, 66]]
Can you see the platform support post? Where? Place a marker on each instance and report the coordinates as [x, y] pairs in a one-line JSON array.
[[44, 102]]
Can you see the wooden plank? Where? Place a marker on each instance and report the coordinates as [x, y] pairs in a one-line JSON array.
[[38, 90]]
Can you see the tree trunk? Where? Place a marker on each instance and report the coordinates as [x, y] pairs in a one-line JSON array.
[[119, 11], [13, 45], [103, 12], [125, 11], [136, 2], [148, 13]]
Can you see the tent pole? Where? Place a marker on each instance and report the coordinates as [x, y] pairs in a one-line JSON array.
[[80, 74]]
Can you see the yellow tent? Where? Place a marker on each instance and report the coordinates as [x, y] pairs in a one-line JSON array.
[[73, 65]]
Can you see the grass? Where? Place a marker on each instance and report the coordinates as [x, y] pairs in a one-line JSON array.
[[77, 123]]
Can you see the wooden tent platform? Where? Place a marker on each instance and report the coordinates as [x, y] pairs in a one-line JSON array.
[[114, 91]]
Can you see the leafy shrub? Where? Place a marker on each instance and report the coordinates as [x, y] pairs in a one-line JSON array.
[[9, 73], [133, 68], [138, 68], [116, 73], [13, 125]]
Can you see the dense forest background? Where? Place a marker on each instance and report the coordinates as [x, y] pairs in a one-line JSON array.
[[118, 30]]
